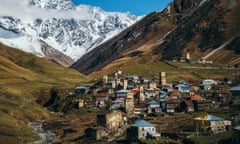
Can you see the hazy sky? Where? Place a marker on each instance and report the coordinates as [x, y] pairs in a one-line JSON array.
[[136, 7]]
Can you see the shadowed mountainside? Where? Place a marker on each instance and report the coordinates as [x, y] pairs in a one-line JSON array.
[[190, 26]]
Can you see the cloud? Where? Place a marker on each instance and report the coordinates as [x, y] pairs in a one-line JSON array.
[[20, 9]]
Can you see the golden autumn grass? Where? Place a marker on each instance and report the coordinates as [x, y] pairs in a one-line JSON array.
[[22, 75]]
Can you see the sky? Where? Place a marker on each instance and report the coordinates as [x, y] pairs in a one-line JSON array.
[[135, 7]]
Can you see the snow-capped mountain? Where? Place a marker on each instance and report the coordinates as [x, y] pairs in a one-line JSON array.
[[71, 30]]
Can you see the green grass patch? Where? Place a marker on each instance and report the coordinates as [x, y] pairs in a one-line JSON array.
[[212, 139]]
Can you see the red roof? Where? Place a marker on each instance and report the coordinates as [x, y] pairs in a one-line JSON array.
[[196, 97], [102, 94], [189, 103]]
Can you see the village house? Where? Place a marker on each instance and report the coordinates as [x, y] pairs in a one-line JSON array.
[[117, 104], [100, 98], [107, 122], [112, 120], [212, 124], [235, 92], [142, 130], [153, 107], [174, 94], [96, 132], [162, 95], [139, 108], [171, 105], [187, 106], [207, 84], [122, 94], [81, 90], [183, 87]]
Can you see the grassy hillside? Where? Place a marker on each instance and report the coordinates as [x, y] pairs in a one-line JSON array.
[[22, 75], [175, 70]]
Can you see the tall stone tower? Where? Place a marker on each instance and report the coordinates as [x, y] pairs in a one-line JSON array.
[[117, 81], [105, 79], [188, 56], [125, 84], [141, 94], [129, 103], [162, 78]]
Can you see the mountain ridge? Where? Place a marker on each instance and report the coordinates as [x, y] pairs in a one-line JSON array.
[[72, 30], [197, 27]]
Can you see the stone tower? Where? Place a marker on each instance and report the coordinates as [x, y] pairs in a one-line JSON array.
[[162, 78], [105, 79], [125, 84], [129, 103], [188, 56], [141, 94]]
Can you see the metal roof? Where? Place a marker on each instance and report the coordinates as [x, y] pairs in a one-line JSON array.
[[142, 123], [122, 91], [153, 102], [236, 88], [210, 118]]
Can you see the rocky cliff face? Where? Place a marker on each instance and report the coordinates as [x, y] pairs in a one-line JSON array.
[[195, 26], [71, 30]]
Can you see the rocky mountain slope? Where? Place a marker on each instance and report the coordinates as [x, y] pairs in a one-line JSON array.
[[195, 26], [70, 30]]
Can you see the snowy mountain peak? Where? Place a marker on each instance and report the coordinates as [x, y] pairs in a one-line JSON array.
[[72, 30], [53, 4]]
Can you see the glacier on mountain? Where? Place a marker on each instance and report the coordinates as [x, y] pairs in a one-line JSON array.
[[72, 30]]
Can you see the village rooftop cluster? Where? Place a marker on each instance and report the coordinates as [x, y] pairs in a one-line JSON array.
[[135, 108]]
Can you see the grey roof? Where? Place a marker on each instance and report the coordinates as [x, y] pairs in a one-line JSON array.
[[81, 87], [211, 118], [142, 123], [153, 102], [214, 118], [236, 88], [122, 91], [118, 101]]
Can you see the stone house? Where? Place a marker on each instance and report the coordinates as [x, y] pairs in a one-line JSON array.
[[112, 120], [96, 132]]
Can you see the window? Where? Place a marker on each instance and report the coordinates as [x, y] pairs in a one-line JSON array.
[[153, 129]]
